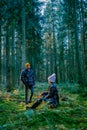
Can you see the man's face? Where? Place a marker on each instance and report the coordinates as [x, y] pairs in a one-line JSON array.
[[28, 67]]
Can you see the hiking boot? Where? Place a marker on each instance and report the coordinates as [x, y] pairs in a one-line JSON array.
[[29, 101], [27, 107]]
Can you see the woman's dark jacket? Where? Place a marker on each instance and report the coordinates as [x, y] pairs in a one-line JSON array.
[[52, 94]]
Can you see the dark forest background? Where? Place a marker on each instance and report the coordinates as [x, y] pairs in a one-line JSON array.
[[50, 35]]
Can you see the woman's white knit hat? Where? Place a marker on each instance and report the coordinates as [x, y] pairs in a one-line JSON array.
[[52, 78]]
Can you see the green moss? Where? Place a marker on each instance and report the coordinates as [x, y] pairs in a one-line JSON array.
[[70, 115]]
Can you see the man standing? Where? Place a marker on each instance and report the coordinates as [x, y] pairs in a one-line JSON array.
[[27, 77]]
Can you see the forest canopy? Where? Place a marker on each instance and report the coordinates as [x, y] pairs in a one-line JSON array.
[[51, 35]]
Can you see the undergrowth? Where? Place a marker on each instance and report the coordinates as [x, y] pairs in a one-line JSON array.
[[71, 114]]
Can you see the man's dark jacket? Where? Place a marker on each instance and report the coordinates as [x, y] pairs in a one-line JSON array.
[[27, 77]]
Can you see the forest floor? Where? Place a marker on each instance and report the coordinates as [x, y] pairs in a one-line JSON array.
[[71, 114]]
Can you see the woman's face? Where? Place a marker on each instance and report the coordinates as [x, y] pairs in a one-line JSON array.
[[49, 82]]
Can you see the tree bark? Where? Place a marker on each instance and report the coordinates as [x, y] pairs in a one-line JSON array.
[[0, 58], [23, 35], [79, 76], [8, 69]]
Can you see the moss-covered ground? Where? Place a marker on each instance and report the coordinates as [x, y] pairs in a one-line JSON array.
[[71, 114]]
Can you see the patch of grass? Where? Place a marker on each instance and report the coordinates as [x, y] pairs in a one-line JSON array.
[[71, 114]]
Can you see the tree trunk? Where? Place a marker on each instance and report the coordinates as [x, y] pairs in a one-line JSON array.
[[13, 69], [23, 35], [54, 44], [84, 45], [0, 58], [8, 69], [79, 76]]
